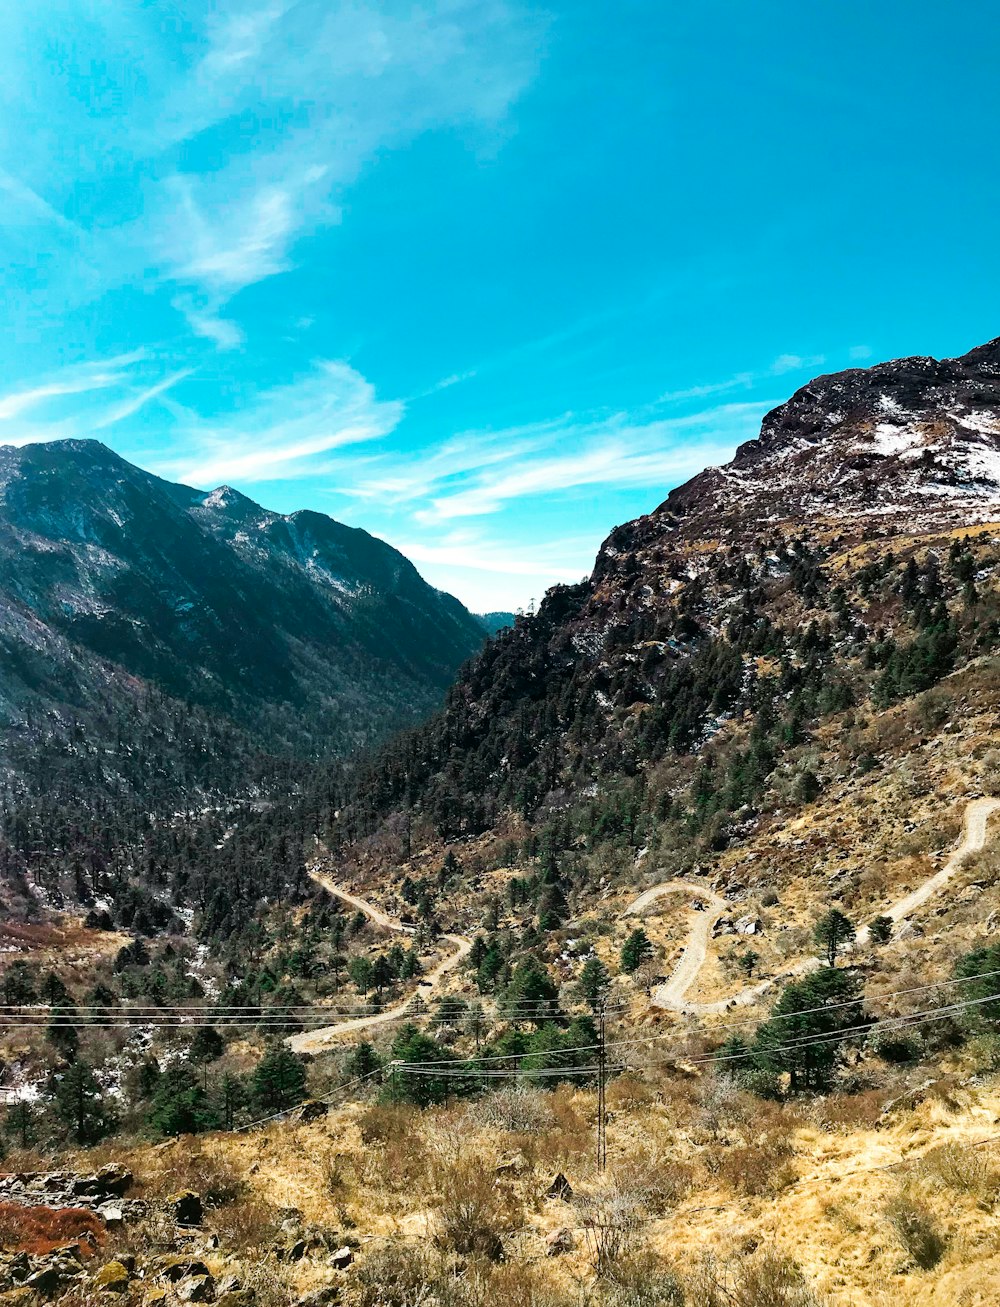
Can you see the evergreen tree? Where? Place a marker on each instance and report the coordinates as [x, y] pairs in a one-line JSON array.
[[805, 1034], [21, 1124], [635, 950], [79, 1103], [834, 931], [594, 981], [531, 995], [180, 1104], [233, 1096], [362, 1063], [880, 931], [279, 1080], [984, 963], [424, 1088]]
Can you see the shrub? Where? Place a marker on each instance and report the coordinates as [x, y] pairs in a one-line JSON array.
[[214, 1177], [475, 1209], [913, 1224], [39, 1230], [612, 1220], [247, 1224], [758, 1169], [964, 1169], [768, 1279], [642, 1279], [395, 1275]]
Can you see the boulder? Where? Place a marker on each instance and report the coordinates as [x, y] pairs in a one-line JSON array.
[[114, 1179], [52, 1277], [112, 1214], [113, 1277], [186, 1207], [560, 1188], [342, 1258], [515, 1164]]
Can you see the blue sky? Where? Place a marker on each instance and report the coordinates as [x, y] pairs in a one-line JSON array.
[[484, 277]]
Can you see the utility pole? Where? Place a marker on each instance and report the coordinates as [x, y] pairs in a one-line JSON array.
[[602, 1133]]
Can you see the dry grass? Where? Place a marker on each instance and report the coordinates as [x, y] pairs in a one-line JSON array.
[[42, 1229]]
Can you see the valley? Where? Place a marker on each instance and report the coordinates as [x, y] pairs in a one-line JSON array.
[[710, 838]]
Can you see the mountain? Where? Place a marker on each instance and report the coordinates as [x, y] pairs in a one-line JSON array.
[[305, 635], [841, 557], [494, 622], [917, 438]]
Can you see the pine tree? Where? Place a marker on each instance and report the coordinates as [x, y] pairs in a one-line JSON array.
[[79, 1103], [22, 1124], [801, 1037], [833, 932], [880, 931], [594, 981], [635, 950], [279, 1080]]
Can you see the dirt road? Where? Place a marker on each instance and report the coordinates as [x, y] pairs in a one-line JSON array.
[[315, 1041], [673, 994]]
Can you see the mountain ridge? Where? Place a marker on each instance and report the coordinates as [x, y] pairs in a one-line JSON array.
[[316, 635]]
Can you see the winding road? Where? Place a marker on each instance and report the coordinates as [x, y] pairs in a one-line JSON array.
[[316, 1041], [673, 994]]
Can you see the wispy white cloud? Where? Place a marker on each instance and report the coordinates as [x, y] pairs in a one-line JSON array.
[[128, 407], [795, 363], [29, 207], [859, 352], [477, 473], [279, 433], [77, 383], [323, 89], [558, 561]]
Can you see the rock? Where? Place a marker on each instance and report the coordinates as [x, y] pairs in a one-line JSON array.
[[113, 1277], [110, 1181], [559, 1242], [51, 1278], [291, 1252], [196, 1288], [18, 1267], [560, 1188], [114, 1179], [186, 1207], [748, 926], [175, 1268], [228, 1284], [313, 1110], [342, 1258], [909, 930], [112, 1214]]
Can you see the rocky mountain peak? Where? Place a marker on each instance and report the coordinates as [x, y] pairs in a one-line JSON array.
[[916, 438]]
